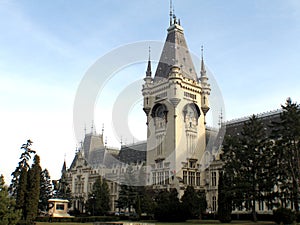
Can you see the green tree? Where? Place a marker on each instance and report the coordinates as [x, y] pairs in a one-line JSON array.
[[169, 207], [146, 200], [287, 147], [33, 190], [45, 190], [127, 197], [249, 161], [23, 164], [18, 187], [128, 194], [202, 202], [9, 215], [194, 202], [224, 198], [99, 199]]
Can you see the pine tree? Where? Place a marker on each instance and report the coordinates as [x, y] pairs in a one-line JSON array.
[[22, 168], [224, 199], [18, 187], [21, 191], [287, 147], [9, 215], [255, 156], [128, 193], [250, 163], [169, 207], [99, 199], [45, 190], [194, 202], [33, 190]]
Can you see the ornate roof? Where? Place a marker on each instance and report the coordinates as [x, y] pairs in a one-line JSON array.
[[175, 52]]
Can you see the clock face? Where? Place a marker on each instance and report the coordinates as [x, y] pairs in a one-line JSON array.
[[160, 112], [191, 112]]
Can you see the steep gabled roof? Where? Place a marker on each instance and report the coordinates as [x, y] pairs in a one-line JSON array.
[[92, 142], [175, 52]]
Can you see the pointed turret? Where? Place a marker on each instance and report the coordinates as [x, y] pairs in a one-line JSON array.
[[149, 71], [175, 53], [64, 167], [205, 86], [148, 80]]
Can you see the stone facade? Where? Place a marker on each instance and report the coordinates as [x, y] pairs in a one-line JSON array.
[[175, 103], [175, 153]]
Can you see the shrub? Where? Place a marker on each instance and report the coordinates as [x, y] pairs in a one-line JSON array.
[[283, 215]]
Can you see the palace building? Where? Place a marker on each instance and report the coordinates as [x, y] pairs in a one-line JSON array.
[[175, 154]]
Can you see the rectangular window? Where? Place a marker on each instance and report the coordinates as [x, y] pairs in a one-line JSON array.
[[185, 177], [154, 178], [192, 178], [161, 177], [60, 207], [159, 145], [261, 206], [198, 178], [214, 203], [213, 179], [167, 177]]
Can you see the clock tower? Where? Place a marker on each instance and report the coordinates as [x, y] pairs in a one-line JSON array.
[[176, 101]]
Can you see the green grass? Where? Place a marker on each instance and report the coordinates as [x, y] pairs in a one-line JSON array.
[[194, 222]]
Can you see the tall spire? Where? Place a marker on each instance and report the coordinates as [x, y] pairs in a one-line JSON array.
[[92, 127], [64, 167], [175, 52], [205, 86], [203, 71], [171, 13], [149, 72]]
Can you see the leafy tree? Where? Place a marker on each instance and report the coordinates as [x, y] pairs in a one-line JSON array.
[[9, 215], [287, 147], [45, 190], [224, 199], [99, 199], [33, 190]]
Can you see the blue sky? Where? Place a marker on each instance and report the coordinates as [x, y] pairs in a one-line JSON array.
[[252, 47]]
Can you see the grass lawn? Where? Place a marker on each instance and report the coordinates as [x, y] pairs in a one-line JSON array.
[[204, 222]]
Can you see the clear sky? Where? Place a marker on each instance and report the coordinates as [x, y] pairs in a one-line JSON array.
[[251, 46]]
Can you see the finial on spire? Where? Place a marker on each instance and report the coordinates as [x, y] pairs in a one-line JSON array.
[[102, 128], [203, 71], [171, 13], [149, 72], [84, 129], [220, 119], [92, 127]]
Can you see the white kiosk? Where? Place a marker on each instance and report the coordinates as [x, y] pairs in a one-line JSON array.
[[58, 207]]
